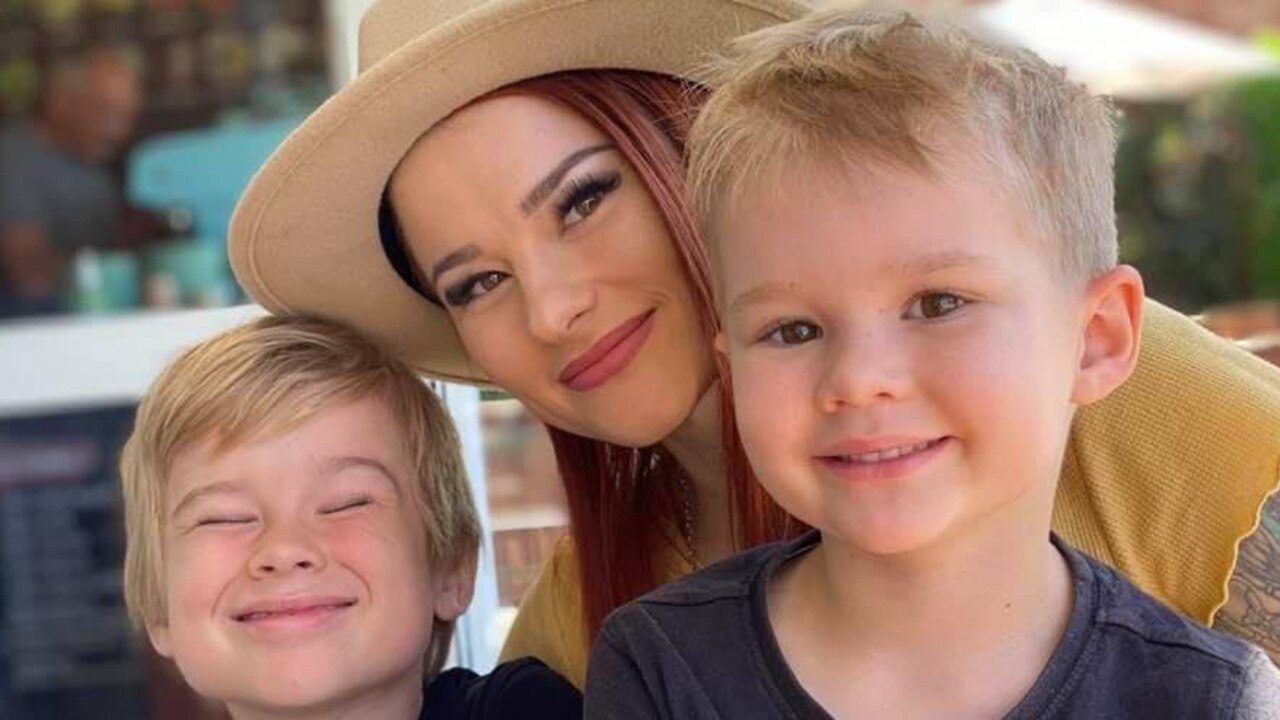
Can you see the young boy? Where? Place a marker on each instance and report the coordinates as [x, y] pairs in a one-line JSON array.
[[915, 252], [301, 536]]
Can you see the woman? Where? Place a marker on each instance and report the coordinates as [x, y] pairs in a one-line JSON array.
[[494, 224]]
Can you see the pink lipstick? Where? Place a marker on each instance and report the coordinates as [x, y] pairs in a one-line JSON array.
[[609, 355]]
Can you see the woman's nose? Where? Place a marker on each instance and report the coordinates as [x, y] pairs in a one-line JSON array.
[[556, 302]]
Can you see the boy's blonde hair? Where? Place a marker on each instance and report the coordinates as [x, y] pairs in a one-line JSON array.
[[267, 377], [847, 89]]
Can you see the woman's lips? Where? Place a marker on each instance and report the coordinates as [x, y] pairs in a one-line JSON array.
[[609, 355]]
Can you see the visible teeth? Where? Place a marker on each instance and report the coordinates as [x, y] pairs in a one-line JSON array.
[[262, 614], [887, 454]]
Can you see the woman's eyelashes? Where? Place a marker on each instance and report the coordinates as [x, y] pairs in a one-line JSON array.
[[579, 200], [583, 195], [471, 287]]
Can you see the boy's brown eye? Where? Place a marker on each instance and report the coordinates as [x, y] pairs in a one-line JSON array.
[[935, 305], [794, 333]]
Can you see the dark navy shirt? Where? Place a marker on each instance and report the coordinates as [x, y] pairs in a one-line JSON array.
[[703, 647], [522, 689]]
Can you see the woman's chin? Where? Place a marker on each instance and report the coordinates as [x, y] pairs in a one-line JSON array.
[[630, 433]]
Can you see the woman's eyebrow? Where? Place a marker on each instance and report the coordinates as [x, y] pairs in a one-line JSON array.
[[464, 254], [548, 184]]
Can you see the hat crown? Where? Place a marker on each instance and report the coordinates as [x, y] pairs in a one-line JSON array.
[[391, 24]]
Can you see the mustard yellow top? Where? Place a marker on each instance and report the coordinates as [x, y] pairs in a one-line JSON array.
[[1161, 481]]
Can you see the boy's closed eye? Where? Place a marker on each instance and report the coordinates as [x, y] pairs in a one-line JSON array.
[[222, 519], [346, 505]]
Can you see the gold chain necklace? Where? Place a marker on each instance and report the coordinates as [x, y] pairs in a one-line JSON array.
[[687, 525]]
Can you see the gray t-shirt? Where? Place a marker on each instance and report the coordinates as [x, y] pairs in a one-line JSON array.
[[77, 204], [702, 647]]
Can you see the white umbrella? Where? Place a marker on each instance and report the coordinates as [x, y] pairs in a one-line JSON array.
[[1122, 50]]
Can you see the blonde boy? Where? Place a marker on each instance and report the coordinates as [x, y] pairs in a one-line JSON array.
[[301, 535], [914, 244]]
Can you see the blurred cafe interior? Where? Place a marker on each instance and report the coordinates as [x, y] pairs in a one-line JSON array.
[[128, 129]]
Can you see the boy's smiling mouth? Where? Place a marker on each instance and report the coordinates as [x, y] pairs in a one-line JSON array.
[[292, 610], [889, 453], [880, 458]]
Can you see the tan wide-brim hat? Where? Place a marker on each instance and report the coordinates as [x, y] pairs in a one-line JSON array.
[[304, 237]]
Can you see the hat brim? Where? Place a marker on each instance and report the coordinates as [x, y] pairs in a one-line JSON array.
[[304, 236]]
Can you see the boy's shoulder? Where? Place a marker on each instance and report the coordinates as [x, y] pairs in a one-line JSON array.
[[523, 688], [700, 646], [1132, 648], [1125, 609], [733, 579]]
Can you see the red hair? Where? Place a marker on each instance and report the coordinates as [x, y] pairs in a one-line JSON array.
[[625, 503]]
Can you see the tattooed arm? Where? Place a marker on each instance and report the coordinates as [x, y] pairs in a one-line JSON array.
[[1252, 611]]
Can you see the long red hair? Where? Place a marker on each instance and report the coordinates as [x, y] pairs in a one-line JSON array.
[[625, 503]]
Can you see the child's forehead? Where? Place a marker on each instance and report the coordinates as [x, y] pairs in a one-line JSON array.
[[874, 225], [859, 201], [333, 435]]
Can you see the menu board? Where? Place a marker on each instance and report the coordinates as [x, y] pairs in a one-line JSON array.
[[197, 58], [67, 649]]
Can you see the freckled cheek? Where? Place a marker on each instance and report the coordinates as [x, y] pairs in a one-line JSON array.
[[771, 402], [199, 571], [995, 387], [382, 544]]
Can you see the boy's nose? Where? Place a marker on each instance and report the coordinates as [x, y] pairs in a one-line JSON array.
[[861, 370], [283, 551]]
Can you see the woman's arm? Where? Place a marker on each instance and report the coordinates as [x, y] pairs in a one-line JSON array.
[[1252, 611]]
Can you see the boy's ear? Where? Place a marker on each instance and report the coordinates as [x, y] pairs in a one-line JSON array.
[[1112, 327], [159, 636], [454, 589], [721, 343]]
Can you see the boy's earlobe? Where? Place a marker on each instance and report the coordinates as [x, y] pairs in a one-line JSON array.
[[159, 636], [1112, 334], [721, 343], [454, 590]]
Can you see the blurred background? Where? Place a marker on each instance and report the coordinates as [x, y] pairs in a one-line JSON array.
[[128, 129]]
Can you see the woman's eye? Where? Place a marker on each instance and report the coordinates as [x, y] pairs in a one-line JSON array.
[[585, 195], [932, 306], [795, 332], [351, 504], [583, 209], [473, 287]]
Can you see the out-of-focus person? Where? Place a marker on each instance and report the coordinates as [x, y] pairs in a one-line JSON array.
[[57, 193]]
